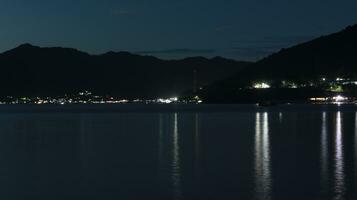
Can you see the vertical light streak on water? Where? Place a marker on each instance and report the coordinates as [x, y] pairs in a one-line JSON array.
[[257, 155], [339, 160], [197, 147], [161, 145], [262, 157], [324, 153], [266, 156], [280, 117], [176, 162]]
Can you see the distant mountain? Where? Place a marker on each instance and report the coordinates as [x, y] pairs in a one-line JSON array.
[[31, 70], [329, 56]]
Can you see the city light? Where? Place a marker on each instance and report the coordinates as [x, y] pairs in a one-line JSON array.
[[318, 99], [261, 85], [333, 99], [339, 98], [168, 101], [87, 97]]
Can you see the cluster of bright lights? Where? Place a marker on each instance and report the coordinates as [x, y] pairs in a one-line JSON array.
[[318, 99], [261, 85], [85, 97], [349, 83], [85, 93], [339, 98], [334, 99], [168, 101]]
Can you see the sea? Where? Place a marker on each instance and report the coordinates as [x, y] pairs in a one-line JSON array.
[[178, 152]]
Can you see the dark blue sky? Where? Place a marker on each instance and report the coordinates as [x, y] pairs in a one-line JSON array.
[[240, 29]]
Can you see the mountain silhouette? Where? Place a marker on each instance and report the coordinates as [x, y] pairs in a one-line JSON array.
[[329, 56], [31, 70]]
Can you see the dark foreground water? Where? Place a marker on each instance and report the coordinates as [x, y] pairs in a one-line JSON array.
[[288, 152]]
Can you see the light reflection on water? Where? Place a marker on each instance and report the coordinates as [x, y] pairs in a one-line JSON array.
[[197, 148], [161, 143], [324, 153], [339, 160], [280, 117], [176, 162], [169, 154], [262, 157], [289, 155]]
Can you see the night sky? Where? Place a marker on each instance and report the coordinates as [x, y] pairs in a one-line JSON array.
[[239, 29]]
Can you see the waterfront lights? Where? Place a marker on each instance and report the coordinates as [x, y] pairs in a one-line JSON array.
[[339, 98], [333, 99], [261, 85], [168, 101], [318, 99], [174, 99]]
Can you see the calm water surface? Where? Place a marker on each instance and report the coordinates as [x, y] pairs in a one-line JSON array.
[[264, 154]]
